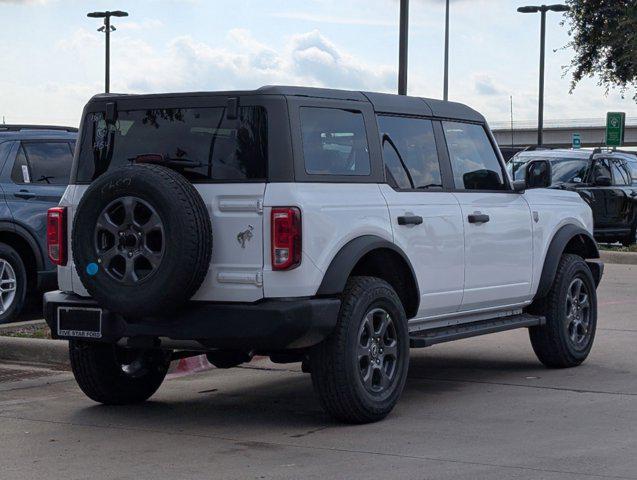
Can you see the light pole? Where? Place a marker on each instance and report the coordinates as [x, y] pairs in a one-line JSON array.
[[107, 29], [542, 9], [402, 47], [445, 91]]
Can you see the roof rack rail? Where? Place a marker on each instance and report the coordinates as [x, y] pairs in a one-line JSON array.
[[613, 150], [18, 128], [532, 148]]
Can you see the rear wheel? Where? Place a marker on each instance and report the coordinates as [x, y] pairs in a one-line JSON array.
[[360, 370], [113, 375], [570, 309], [13, 283]]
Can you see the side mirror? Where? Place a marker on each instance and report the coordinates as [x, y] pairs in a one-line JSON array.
[[519, 186], [603, 181], [538, 174]]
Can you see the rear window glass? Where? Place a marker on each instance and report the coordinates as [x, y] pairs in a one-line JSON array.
[[334, 142], [200, 143]]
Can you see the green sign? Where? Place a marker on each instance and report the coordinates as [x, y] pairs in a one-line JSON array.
[[576, 141], [615, 122]]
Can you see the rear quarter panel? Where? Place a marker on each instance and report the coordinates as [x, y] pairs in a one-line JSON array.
[[332, 214]]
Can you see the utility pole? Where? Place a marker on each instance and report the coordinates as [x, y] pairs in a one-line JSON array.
[[445, 90], [542, 9], [107, 28], [511, 100], [402, 47]]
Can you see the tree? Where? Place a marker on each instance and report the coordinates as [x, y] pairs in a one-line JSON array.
[[604, 36]]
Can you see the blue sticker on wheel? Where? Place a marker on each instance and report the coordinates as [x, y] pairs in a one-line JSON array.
[[92, 268]]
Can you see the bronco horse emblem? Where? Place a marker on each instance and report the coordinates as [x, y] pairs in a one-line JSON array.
[[245, 236]]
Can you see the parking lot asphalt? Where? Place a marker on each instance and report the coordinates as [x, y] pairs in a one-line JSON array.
[[482, 408]]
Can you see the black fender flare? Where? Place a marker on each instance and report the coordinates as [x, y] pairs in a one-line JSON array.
[[348, 256], [25, 235], [556, 248]]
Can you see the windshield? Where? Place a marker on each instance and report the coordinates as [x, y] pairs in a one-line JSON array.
[[564, 170], [201, 143]]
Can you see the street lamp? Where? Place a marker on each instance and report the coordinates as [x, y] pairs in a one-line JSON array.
[[542, 9], [445, 90], [107, 29], [402, 47]]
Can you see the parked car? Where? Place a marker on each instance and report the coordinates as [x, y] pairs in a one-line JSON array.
[[35, 162], [328, 227], [606, 179]]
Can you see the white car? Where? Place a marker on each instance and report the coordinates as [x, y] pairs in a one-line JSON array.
[[334, 228]]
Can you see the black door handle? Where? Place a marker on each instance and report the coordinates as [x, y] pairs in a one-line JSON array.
[[410, 220], [478, 218], [25, 194]]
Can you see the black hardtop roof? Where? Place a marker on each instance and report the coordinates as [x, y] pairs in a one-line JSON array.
[[19, 132], [382, 102]]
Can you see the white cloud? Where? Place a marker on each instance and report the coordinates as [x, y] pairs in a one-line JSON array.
[[483, 85], [186, 63]]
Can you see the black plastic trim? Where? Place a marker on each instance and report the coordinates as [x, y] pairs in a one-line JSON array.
[[563, 236], [430, 337], [346, 259], [268, 325], [23, 233]]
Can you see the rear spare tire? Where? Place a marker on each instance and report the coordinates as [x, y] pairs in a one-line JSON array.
[[142, 240]]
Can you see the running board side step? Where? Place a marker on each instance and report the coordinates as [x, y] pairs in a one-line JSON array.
[[426, 338]]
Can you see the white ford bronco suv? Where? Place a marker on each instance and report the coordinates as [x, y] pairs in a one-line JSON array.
[[334, 228]]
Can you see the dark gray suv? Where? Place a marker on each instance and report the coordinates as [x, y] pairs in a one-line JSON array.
[[35, 162]]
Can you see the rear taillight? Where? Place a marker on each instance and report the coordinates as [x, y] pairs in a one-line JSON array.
[[56, 235], [286, 238]]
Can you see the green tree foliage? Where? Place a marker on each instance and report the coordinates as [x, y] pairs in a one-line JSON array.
[[604, 36]]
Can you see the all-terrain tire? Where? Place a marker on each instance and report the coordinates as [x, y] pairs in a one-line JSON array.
[[552, 342], [335, 363], [182, 254], [114, 376], [12, 292]]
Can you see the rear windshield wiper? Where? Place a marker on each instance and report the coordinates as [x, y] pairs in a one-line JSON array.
[[430, 185], [165, 160]]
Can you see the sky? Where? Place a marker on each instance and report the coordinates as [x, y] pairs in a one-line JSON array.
[[52, 57]]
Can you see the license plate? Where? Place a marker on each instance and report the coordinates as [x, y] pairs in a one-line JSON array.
[[80, 322]]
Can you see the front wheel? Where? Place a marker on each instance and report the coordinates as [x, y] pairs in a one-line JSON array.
[[570, 309], [113, 375], [360, 370]]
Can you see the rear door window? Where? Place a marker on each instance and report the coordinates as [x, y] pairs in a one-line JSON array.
[[20, 172], [474, 162], [621, 173], [409, 152], [633, 171], [334, 142], [43, 163], [200, 143]]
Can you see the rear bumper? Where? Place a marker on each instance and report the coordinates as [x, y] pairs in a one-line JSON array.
[[269, 325]]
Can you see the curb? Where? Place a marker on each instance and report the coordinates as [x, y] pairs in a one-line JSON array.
[[35, 350], [622, 258]]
